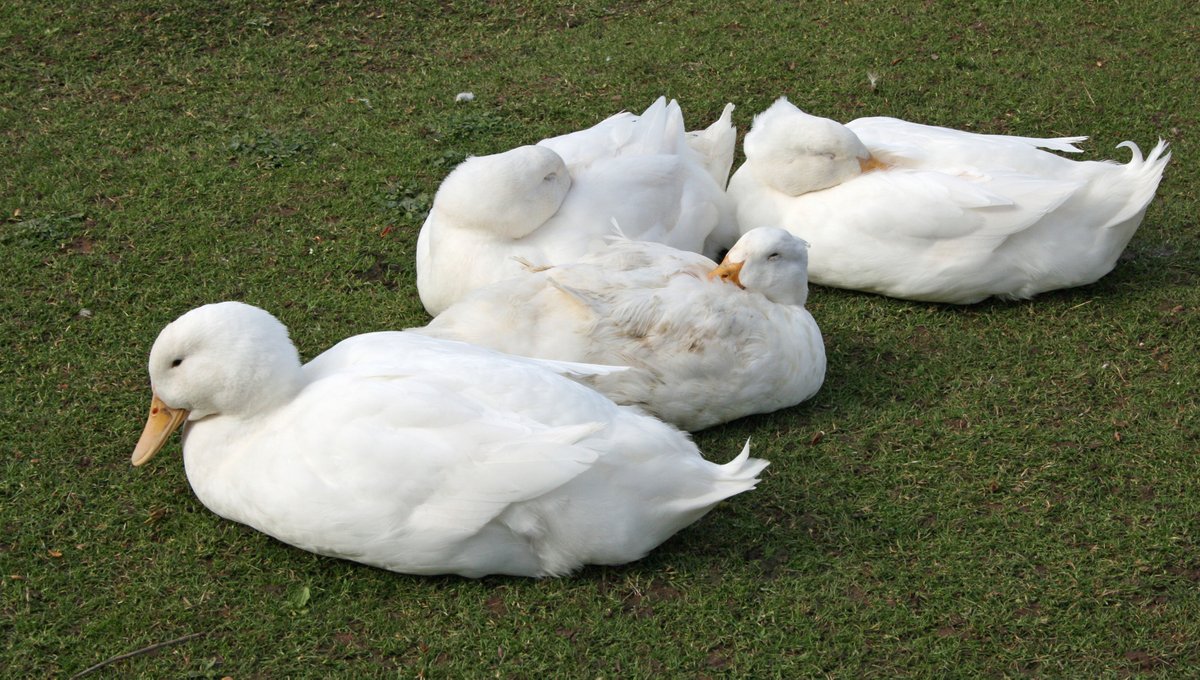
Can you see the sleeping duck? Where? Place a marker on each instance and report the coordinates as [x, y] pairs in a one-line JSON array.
[[701, 352], [421, 455], [929, 213], [642, 176]]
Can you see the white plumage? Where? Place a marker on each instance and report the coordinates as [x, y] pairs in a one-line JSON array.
[[421, 455], [701, 352], [553, 201], [929, 213]]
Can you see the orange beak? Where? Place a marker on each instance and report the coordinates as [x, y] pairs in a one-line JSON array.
[[728, 271], [871, 163], [162, 421]]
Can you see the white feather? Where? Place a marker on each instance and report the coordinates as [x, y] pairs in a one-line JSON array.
[[422, 455], [701, 352], [553, 201], [954, 217]]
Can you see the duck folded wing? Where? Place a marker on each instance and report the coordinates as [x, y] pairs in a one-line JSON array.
[[416, 482], [903, 142], [932, 205]]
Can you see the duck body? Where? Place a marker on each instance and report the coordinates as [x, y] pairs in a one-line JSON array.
[[934, 214], [425, 456], [700, 352], [643, 176]]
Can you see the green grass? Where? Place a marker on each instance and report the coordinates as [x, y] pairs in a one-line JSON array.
[[1001, 490]]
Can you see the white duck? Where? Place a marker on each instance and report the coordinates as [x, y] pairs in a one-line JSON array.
[[701, 352], [552, 201], [420, 455], [929, 213]]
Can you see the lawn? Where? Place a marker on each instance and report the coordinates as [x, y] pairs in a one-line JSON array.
[[1006, 489]]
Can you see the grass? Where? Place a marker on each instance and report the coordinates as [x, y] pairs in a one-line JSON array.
[[1009, 489]]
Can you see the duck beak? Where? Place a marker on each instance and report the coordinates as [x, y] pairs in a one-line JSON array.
[[728, 271], [162, 421], [872, 163]]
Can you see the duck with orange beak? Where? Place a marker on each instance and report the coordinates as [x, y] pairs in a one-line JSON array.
[[421, 455], [699, 352]]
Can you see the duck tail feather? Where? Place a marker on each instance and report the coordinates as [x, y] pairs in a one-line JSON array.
[[743, 467]]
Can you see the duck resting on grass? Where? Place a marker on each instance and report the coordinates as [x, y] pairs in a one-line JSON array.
[[552, 201], [930, 213], [421, 455], [701, 352]]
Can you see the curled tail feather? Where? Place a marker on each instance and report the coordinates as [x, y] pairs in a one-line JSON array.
[[1139, 181], [1158, 155], [736, 476], [743, 468]]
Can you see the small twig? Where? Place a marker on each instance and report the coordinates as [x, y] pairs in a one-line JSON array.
[[138, 652]]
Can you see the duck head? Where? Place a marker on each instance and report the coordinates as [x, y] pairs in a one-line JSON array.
[[795, 153], [510, 194], [224, 358], [770, 261]]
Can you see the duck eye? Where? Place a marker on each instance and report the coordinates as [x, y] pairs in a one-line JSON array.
[[773, 256], [176, 363]]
